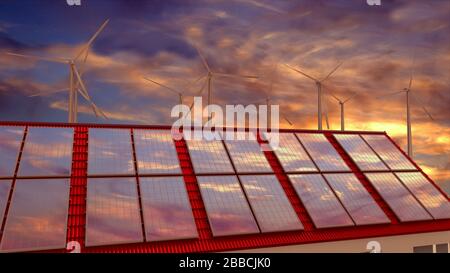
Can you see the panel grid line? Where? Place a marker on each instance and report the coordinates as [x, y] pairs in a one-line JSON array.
[[242, 186], [373, 150], [11, 190], [138, 185]]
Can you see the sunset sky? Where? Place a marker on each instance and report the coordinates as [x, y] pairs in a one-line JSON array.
[[380, 46]]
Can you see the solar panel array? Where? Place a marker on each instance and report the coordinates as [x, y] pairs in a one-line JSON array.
[[136, 190], [38, 209], [239, 201], [131, 169]]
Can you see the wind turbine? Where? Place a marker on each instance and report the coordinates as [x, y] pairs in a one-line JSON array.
[[319, 90], [268, 99], [180, 94], [409, 96], [210, 75], [76, 84], [342, 105]]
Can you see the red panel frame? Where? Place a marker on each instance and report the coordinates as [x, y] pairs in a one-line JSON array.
[[206, 242]]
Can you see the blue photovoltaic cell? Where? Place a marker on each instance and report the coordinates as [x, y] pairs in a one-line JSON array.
[[227, 209], [155, 152], [4, 193], [320, 201], [112, 215], [167, 211], [209, 156], [272, 208], [247, 156], [10, 141], [37, 218], [404, 205], [110, 152], [430, 197], [388, 152], [355, 198], [291, 154], [47, 152], [322, 152], [360, 152]]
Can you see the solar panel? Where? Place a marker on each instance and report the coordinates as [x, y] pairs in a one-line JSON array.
[[360, 152], [209, 156], [167, 211], [247, 156], [227, 209], [322, 152], [404, 205], [427, 194], [5, 186], [47, 152], [10, 141], [272, 209], [355, 198], [155, 152], [291, 154], [320, 201], [112, 215], [110, 152], [37, 218], [390, 154]]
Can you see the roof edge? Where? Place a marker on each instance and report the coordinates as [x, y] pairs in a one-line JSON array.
[[160, 126]]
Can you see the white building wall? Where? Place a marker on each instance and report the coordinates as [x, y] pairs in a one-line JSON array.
[[390, 244]]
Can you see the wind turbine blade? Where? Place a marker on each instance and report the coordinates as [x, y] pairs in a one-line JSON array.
[[82, 66], [272, 76], [89, 43], [197, 80], [48, 59], [84, 63], [97, 111], [350, 98], [327, 121], [389, 94], [304, 74], [334, 97], [421, 106], [410, 81], [43, 94], [413, 62], [205, 63], [87, 98], [100, 111], [288, 121], [162, 85], [84, 91], [261, 102], [427, 113], [332, 71], [234, 75], [198, 94]]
